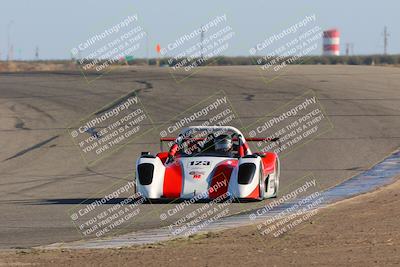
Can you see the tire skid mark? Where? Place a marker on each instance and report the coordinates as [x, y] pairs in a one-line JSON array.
[[38, 145], [117, 102]]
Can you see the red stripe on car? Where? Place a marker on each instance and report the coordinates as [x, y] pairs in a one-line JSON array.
[[222, 173], [173, 181], [269, 161], [255, 194]]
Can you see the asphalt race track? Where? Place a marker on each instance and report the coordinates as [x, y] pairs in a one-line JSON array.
[[42, 175]]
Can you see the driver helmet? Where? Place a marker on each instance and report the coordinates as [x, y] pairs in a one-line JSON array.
[[223, 143]]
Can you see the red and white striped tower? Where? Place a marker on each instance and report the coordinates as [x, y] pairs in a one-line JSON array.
[[331, 42]]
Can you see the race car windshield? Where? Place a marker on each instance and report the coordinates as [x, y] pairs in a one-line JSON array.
[[220, 146]]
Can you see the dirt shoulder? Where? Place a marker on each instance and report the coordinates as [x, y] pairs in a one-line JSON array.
[[363, 231]]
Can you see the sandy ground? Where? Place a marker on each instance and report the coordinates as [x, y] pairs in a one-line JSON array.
[[362, 231]]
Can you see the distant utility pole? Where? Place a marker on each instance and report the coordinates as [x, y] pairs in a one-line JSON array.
[[385, 40], [349, 49], [37, 53], [201, 43], [147, 49], [11, 52], [9, 48]]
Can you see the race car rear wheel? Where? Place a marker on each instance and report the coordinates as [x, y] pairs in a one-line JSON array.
[[278, 174], [262, 185]]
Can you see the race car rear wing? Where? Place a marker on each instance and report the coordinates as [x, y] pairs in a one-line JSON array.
[[248, 139]]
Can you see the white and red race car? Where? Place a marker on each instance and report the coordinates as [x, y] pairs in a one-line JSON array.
[[207, 162]]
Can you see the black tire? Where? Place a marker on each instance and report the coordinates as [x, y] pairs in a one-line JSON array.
[[261, 186]]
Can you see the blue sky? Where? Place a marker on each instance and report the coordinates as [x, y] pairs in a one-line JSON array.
[[58, 26]]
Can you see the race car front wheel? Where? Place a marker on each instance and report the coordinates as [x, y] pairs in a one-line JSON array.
[[272, 182]]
